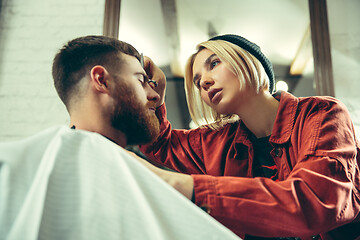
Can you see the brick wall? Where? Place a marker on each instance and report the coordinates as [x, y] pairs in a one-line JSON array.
[[31, 32]]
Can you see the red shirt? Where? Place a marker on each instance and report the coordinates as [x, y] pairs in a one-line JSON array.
[[317, 157]]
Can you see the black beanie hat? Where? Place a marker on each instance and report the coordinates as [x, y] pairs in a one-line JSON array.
[[254, 50]]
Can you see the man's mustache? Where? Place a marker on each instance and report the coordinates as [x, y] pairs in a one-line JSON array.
[[150, 105]]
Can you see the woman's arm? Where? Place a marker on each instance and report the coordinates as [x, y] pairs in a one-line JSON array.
[[175, 149], [181, 182], [179, 150]]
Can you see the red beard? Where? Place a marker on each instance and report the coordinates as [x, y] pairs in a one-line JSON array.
[[136, 121]]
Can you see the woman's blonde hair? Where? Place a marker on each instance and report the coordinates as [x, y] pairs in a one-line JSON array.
[[245, 66]]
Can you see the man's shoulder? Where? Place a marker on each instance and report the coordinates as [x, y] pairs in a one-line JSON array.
[[53, 139]]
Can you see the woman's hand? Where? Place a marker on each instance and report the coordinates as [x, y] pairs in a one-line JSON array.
[[155, 73]]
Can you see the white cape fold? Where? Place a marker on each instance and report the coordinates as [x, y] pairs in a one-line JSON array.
[[72, 184]]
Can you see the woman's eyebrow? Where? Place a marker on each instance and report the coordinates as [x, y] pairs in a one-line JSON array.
[[208, 60]]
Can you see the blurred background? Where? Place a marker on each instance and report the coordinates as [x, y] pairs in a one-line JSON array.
[[314, 46]]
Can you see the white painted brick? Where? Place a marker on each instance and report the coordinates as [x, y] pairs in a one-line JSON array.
[[31, 32]]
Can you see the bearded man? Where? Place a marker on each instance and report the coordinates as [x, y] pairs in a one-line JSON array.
[[105, 86]]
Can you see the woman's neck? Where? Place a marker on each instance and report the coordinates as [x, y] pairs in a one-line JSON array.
[[259, 113]]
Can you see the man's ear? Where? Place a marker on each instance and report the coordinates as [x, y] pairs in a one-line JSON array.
[[100, 78]]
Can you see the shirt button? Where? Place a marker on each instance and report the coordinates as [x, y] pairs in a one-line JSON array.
[[206, 208], [277, 152]]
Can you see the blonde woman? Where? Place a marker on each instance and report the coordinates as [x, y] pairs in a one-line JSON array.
[[266, 165]]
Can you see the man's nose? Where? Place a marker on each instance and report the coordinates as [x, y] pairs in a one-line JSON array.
[[152, 95], [206, 81]]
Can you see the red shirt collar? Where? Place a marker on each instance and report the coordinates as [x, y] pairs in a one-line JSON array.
[[285, 117]]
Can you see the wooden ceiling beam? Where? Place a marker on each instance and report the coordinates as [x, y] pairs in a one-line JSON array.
[[172, 33], [112, 18], [323, 73]]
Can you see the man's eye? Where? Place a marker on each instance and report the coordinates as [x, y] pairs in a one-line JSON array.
[[141, 79]]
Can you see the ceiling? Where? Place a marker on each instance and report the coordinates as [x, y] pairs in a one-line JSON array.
[[168, 30]]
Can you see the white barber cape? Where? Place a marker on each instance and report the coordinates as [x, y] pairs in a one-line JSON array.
[[78, 185]]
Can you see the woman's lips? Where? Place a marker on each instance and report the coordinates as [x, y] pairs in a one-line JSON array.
[[215, 95]]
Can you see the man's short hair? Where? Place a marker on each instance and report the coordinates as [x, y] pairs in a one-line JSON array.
[[78, 56]]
